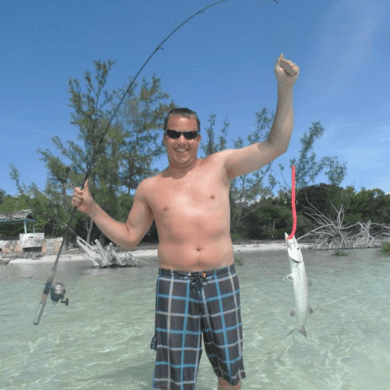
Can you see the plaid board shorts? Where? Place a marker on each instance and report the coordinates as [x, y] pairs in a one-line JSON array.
[[189, 305]]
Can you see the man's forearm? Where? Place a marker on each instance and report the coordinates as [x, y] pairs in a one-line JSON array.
[[282, 125], [112, 229]]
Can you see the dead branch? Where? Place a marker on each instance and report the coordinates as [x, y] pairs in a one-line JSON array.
[[106, 257], [334, 234]]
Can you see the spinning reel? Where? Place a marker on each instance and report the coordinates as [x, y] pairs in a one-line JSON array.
[[57, 292]]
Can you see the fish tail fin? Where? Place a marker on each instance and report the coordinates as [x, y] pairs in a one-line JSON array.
[[301, 330]]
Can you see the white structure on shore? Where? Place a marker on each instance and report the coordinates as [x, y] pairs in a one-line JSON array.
[[27, 242]]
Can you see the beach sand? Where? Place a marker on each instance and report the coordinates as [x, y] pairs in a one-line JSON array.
[[142, 252]]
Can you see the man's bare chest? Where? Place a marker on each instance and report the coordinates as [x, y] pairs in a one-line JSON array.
[[200, 192]]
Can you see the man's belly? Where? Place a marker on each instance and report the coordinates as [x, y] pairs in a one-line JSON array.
[[195, 238], [192, 258]]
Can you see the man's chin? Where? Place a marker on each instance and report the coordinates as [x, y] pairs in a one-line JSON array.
[[183, 162]]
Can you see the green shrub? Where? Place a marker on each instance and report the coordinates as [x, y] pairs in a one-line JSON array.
[[340, 253], [386, 248]]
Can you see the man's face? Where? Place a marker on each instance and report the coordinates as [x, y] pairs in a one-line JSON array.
[[181, 151]]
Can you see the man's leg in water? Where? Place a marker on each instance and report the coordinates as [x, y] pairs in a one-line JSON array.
[[223, 385]]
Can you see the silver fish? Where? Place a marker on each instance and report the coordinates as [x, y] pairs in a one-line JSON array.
[[300, 280]]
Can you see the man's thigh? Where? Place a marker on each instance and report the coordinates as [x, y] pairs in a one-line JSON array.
[[222, 326]]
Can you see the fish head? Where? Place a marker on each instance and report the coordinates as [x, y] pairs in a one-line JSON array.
[[294, 252]]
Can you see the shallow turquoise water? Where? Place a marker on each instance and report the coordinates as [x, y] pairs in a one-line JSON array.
[[102, 339]]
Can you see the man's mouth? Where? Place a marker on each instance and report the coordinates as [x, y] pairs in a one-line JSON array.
[[181, 150]]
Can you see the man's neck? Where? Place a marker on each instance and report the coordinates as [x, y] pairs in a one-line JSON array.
[[177, 171]]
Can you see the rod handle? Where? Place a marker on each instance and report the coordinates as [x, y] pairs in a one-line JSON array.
[[38, 314], [42, 304]]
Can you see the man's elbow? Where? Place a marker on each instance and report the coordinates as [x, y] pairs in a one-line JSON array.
[[133, 236], [128, 246], [130, 241], [278, 150], [282, 150], [279, 144]]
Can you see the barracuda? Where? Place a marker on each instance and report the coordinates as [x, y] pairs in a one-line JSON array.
[[300, 281]]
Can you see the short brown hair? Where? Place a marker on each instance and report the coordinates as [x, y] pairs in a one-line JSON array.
[[181, 112]]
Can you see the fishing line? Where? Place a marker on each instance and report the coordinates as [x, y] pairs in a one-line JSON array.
[[293, 206], [49, 289], [294, 214]]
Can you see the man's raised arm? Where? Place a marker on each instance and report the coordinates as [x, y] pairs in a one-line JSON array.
[[126, 235], [251, 158]]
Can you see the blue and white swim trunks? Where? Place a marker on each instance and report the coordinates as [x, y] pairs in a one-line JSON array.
[[189, 305]]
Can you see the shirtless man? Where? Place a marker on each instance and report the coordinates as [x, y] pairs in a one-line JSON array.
[[197, 287]]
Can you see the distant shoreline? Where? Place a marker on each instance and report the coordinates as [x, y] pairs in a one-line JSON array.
[[146, 250]]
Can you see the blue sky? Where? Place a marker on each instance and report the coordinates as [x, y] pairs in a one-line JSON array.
[[221, 62]]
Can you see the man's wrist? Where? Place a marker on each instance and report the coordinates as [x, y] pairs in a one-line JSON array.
[[285, 86], [285, 92], [93, 210]]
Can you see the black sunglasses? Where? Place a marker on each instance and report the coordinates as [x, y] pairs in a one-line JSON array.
[[176, 134]]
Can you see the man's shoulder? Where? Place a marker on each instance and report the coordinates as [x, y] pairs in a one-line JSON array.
[[221, 154], [148, 182], [217, 157]]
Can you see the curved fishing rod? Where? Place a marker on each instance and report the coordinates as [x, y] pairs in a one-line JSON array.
[[57, 291]]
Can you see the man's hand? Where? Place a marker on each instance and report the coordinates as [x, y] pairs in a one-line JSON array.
[[82, 199], [286, 71]]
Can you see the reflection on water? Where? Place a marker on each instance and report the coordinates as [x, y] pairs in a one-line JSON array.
[[102, 339]]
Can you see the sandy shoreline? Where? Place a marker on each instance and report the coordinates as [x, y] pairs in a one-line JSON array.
[[145, 252]]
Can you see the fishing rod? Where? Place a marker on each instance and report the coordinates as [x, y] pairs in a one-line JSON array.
[[57, 292]]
